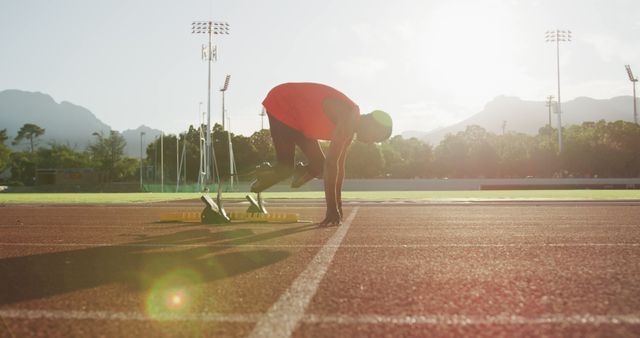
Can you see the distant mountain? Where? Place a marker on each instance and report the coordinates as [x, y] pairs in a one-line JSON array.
[[132, 136], [64, 123], [529, 116]]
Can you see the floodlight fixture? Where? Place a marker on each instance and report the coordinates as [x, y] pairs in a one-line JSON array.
[[630, 73], [210, 27], [226, 83], [633, 79]]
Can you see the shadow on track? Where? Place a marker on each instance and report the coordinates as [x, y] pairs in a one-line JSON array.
[[138, 264]]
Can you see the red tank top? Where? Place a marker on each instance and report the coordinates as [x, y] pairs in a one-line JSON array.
[[299, 106]]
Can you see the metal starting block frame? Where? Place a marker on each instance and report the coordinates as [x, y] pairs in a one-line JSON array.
[[256, 206], [213, 213]]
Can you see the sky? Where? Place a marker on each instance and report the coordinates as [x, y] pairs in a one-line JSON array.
[[428, 63]]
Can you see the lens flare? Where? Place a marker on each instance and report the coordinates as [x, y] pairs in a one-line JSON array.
[[176, 300], [172, 294]]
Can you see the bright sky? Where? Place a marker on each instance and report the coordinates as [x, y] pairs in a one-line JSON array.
[[428, 63]]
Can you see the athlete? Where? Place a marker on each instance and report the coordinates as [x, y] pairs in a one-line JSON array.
[[300, 114]]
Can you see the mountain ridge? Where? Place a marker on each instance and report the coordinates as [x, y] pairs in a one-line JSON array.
[[529, 116], [64, 122]]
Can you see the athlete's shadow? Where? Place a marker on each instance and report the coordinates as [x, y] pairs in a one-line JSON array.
[[194, 253]]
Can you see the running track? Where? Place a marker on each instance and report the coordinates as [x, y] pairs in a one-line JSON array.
[[392, 269]]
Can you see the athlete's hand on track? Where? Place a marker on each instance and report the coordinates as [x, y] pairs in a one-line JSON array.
[[331, 219]]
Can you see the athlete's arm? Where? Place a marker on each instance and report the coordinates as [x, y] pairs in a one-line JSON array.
[[341, 169], [346, 121]]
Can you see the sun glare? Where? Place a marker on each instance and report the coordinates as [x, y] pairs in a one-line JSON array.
[[172, 294], [176, 299], [469, 45]]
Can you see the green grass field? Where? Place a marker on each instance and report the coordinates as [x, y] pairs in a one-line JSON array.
[[475, 195]]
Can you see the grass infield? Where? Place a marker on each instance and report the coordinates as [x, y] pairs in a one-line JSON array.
[[444, 196]]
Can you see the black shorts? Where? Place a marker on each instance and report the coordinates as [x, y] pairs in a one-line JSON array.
[[285, 139]]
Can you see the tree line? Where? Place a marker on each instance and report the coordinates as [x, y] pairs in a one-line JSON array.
[[105, 154], [592, 149]]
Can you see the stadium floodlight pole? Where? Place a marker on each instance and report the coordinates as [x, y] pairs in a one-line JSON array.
[[162, 161], [558, 36], [633, 79], [200, 148], [262, 114], [209, 54], [155, 160], [549, 104], [142, 133], [177, 162], [223, 90], [227, 129]]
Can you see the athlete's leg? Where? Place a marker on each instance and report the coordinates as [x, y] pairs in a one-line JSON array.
[[284, 142], [315, 156]]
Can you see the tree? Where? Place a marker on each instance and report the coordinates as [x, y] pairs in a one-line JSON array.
[[61, 156], [23, 168], [451, 157], [28, 131], [261, 140], [469, 153], [127, 169], [364, 161], [407, 158], [245, 154], [5, 153], [107, 152], [513, 151]]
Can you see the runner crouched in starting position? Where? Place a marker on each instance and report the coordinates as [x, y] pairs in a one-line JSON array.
[[303, 113]]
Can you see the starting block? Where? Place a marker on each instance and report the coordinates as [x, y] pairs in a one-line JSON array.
[[233, 216], [213, 213], [256, 206], [269, 218]]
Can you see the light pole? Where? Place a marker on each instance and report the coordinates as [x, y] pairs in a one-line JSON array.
[[162, 161], [227, 129], [633, 80], [201, 147], [223, 90], [262, 114], [209, 54], [177, 162], [549, 104], [141, 135], [558, 36]]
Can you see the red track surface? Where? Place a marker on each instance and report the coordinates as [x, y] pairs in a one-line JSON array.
[[419, 270]]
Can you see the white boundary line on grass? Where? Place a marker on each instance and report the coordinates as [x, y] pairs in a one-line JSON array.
[[286, 313], [371, 319]]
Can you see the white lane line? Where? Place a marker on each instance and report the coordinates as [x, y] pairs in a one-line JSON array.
[[449, 320], [460, 320], [382, 246], [127, 316], [285, 314]]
